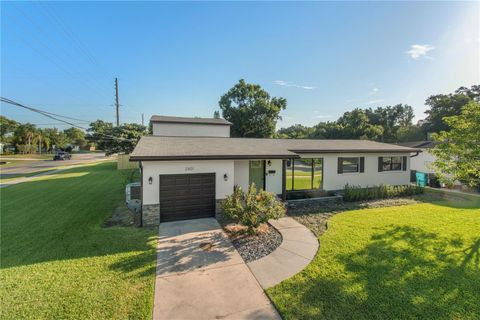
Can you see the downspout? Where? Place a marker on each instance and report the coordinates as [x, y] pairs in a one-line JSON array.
[[416, 154]]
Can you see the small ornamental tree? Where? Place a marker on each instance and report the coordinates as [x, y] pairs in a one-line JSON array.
[[253, 208], [458, 154]]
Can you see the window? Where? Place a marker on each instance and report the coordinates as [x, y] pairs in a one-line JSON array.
[[302, 177], [289, 178], [317, 173], [304, 174], [390, 163], [350, 165]]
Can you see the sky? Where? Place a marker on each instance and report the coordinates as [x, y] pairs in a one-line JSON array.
[[179, 58]]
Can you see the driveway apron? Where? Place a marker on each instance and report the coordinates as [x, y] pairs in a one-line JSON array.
[[200, 275]]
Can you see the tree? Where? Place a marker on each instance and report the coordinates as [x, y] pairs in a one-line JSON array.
[[96, 133], [410, 133], [7, 126], [296, 131], [23, 136], [328, 130], [251, 110], [356, 125], [121, 139], [458, 154], [391, 119], [447, 105], [75, 136], [216, 114]]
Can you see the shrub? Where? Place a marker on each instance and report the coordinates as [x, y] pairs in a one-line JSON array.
[[357, 193], [252, 208]]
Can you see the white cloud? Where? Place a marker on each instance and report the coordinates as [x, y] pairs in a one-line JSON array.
[[418, 51], [375, 101], [292, 84], [374, 91]]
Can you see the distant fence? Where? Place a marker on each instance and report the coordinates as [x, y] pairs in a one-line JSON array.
[[123, 162]]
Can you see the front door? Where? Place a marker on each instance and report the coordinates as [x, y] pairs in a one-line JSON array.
[[257, 173]]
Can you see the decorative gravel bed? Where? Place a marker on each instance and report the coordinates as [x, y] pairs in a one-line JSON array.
[[254, 247]]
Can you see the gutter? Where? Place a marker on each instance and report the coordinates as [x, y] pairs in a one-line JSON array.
[[416, 154]]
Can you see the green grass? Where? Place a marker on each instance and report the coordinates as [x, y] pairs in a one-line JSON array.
[[419, 261], [59, 263], [11, 177]]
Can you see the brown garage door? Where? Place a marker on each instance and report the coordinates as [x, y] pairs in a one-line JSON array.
[[187, 196]]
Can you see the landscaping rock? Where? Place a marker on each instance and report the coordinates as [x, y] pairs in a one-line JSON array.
[[254, 247]]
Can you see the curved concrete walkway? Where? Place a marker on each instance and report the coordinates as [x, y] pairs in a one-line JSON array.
[[200, 275], [299, 246]]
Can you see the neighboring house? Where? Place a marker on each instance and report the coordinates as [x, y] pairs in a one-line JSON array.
[[190, 164], [423, 161]]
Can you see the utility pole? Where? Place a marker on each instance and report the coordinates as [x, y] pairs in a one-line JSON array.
[[142, 119], [117, 104]]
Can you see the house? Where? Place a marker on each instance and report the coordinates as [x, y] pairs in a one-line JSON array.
[[423, 161], [189, 164]]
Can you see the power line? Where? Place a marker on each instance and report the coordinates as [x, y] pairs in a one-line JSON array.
[[51, 116]]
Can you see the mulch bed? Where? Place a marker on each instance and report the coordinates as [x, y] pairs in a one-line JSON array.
[[253, 247]]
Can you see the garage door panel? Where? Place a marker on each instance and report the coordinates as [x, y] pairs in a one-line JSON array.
[[187, 196]]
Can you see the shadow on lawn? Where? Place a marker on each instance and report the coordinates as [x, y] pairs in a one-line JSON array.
[[60, 219], [403, 273]]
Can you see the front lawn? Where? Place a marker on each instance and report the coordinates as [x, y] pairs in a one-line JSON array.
[[57, 262], [418, 261]]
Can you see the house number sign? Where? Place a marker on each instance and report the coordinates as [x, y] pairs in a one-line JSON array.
[[189, 168]]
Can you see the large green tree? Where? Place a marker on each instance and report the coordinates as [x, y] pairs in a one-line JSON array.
[[121, 139], [297, 131], [356, 125], [391, 119], [76, 136], [251, 110], [447, 105], [7, 126], [458, 154]]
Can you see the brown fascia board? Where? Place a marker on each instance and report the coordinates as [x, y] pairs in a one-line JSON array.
[[229, 157], [357, 151]]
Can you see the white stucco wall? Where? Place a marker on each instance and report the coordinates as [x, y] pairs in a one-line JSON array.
[[422, 162], [241, 173], [273, 181], [151, 192], [190, 130], [238, 173], [334, 181]]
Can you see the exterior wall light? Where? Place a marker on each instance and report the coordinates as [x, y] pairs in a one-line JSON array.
[[150, 180], [269, 163], [225, 177]]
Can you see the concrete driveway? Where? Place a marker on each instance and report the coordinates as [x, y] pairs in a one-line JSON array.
[[200, 275]]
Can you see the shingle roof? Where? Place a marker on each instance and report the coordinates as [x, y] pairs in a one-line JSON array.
[[185, 148], [419, 144], [190, 120]]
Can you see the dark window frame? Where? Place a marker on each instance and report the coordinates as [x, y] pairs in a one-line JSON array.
[[391, 165], [313, 165], [350, 158]]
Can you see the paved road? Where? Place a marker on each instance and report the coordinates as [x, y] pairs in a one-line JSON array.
[[34, 165]]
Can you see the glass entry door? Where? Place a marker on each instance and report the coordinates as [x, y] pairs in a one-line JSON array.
[[257, 173]]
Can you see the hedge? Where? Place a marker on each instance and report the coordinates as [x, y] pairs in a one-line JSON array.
[[357, 193]]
